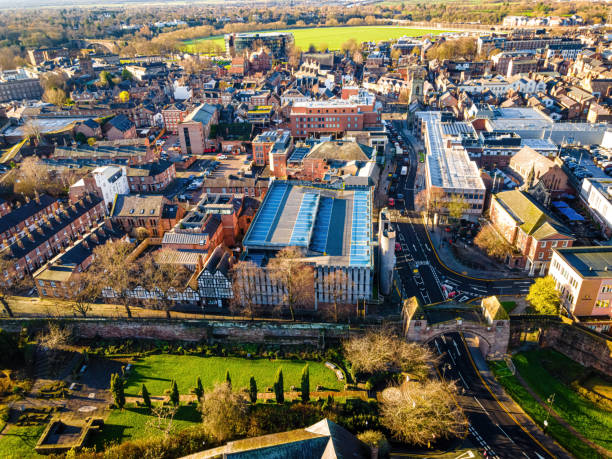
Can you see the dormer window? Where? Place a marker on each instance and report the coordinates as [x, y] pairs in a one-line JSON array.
[[141, 211], [131, 211]]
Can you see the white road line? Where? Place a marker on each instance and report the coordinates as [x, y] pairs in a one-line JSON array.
[[464, 383], [451, 356], [504, 432], [483, 408], [437, 347], [456, 347]]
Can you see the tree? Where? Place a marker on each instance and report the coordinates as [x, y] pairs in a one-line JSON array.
[[420, 413], [55, 337], [430, 201], [228, 378], [293, 277], [55, 96], [117, 387], [11, 281], [253, 390], [32, 130], [382, 350], [305, 384], [162, 419], [404, 97], [490, 242], [174, 394], [106, 78], [199, 389], [224, 413], [146, 399], [124, 97], [544, 296], [126, 75], [244, 276], [294, 56], [84, 294], [376, 441], [336, 284], [457, 205], [279, 389]]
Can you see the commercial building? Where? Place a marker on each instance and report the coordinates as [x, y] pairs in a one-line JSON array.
[[583, 277], [105, 182], [357, 110], [236, 44], [597, 195], [194, 130], [529, 228], [333, 227], [39, 55], [264, 143], [18, 85], [450, 173]]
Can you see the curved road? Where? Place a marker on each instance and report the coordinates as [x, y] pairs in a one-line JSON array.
[[493, 425], [418, 254]]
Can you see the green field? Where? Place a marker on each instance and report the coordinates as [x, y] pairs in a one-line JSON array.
[[156, 371], [132, 423], [333, 37], [18, 442]]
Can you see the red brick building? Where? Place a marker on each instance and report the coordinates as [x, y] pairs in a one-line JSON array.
[[529, 229], [265, 142], [152, 177], [21, 216], [173, 115], [354, 112], [156, 214]]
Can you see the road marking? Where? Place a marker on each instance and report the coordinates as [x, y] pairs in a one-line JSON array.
[[483, 408], [437, 347], [464, 383], [504, 432], [456, 347], [451, 356], [500, 403]]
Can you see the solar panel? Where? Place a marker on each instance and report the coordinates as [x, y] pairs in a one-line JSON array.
[[318, 242], [263, 224], [360, 229], [304, 222]]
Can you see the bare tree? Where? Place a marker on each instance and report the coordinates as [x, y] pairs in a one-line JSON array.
[[84, 293], [11, 281], [420, 413], [457, 205], [337, 284], [113, 269], [162, 419], [55, 337], [32, 130], [163, 281], [244, 287], [381, 350], [492, 243], [55, 96], [224, 413], [293, 277]]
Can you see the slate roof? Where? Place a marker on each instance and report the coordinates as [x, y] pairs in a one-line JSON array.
[[120, 122], [19, 214], [530, 216], [201, 114], [92, 124], [137, 206], [589, 261]]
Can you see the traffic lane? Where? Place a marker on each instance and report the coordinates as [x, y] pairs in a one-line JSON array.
[[430, 283], [503, 432]]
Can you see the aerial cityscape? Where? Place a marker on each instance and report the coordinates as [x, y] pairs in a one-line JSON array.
[[288, 229]]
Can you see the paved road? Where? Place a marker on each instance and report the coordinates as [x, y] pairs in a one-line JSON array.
[[420, 270], [492, 426]]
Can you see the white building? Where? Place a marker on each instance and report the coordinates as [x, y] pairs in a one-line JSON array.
[[449, 168], [596, 194], [112, 180]]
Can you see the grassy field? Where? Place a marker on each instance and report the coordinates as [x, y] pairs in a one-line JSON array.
[[18, 442], [599, 386], [156, 371], [509, 306], [333, 37], [132, 423], [547, 372], [539, 414]]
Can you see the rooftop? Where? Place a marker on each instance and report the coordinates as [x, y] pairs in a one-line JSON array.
[[588, 261], [333, 224]]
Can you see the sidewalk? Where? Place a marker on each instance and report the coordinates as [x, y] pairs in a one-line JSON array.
[[447, 257]]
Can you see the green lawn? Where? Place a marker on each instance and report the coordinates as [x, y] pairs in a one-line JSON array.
[[539, 414], [19, 442], [547, 372], [132, 423], [333, 37], [599, 385], [509, 306], [156, 371]]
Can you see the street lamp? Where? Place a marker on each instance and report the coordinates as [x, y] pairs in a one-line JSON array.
[[550, 400]]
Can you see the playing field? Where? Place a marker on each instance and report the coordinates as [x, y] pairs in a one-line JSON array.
[[333, 37]]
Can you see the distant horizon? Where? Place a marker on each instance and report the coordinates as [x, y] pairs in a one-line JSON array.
[[28, 4]]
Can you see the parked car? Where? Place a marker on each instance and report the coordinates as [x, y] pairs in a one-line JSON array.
[[222, 157], [398, 247]]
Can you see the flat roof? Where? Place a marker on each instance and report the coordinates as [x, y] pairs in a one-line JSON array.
[[332, 225], [593, 261], [449, 168]]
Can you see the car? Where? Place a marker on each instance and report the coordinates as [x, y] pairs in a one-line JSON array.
[[391, 202], [398, 247], [400, 196], [392, 189], [222, 157], [191, 177], [447, 229]]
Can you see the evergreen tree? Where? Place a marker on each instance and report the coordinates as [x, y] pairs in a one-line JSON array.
[[279, 390], [146, 399], [117, 389], [228, 379], [199, 389], [305, 384], [253, 390], [174, 394]]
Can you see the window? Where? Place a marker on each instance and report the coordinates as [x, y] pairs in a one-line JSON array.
[[602, 303], [543, 244], [606, 289]]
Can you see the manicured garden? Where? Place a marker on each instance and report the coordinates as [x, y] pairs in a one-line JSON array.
[[157, 371], [334, 37], [548, 372]]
